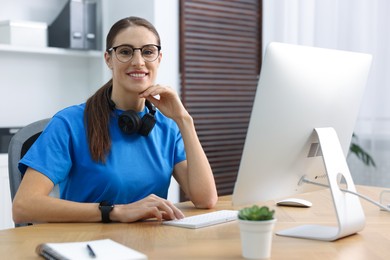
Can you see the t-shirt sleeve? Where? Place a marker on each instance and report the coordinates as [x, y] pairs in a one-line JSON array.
[[50, 154]]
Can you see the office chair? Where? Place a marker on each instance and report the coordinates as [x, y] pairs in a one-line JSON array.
[[18, 146]]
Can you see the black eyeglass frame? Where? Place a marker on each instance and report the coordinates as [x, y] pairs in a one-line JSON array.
[[134, 49]]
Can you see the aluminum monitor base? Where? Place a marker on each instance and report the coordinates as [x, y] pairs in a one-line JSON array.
[[349, 212]]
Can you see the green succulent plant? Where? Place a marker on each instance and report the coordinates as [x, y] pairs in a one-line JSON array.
[[256, 213]]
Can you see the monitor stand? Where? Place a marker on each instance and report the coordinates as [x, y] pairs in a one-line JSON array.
[[350, 215]]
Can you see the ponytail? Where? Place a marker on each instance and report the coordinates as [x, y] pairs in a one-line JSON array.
[[96, 118]]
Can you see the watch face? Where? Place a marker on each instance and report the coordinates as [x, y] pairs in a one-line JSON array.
[[105, 204]]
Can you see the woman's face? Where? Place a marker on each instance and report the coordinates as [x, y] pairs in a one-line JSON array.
[[135, 75]]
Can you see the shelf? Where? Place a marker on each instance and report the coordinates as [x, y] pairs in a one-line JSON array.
[[50, 51]]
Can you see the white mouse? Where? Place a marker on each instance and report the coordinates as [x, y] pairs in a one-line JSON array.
[[294, 202]]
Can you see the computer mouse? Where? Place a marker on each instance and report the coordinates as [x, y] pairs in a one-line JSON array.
[[294, 202]]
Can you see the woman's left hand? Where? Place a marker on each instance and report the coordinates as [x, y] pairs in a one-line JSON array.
[[168, 102]]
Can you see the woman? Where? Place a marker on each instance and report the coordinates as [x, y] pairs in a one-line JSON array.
[[114, 156]]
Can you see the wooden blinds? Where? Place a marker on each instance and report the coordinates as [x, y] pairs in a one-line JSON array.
[[220, 61]]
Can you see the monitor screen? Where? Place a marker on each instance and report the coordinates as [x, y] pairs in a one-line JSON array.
[[300, 88]]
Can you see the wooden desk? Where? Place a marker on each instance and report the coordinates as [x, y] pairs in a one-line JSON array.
[[220, 241]]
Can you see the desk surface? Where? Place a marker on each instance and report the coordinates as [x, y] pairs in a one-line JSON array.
[[220, 241]]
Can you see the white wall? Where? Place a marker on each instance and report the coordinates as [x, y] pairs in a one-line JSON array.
[[5, 195], [37, 10], [166, 20]]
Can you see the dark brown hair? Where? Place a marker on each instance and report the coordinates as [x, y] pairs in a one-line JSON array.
[[97, 110]]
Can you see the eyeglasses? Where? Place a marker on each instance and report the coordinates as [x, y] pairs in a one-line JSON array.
[[124, 53]]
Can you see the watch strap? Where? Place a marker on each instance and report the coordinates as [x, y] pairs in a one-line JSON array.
[[105, 209]]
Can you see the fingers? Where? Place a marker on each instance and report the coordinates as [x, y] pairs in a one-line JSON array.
[[151, 91], [156, 90], [167, 208], [166, 100], [149, 207]]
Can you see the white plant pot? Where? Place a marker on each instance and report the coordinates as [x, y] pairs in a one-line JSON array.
[[256, 238]]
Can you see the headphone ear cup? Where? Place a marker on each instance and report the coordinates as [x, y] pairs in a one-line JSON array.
[[148, 122], [129, 122]]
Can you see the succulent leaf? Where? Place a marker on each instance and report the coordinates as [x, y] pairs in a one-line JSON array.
[[256, 213]]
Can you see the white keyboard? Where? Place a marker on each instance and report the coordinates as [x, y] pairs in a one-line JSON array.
[[204, 220]]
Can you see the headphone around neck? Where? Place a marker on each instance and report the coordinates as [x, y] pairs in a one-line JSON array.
[[130, 122]]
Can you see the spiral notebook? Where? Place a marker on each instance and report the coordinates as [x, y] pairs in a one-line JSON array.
[[95, 249]]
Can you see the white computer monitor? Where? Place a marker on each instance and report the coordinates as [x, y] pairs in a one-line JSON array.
[[301, 89]]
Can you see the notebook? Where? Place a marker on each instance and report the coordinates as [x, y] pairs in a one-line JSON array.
[[96, 249]]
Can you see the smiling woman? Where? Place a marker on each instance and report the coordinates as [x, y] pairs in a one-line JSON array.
[[106, 173]]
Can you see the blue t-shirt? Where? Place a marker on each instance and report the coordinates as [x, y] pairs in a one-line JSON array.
[[135, 167]]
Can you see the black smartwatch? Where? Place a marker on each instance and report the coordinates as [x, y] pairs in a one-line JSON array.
[[105, 208]]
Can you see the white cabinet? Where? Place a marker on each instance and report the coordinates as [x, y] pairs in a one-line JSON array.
[[37, 82], [5, 196]]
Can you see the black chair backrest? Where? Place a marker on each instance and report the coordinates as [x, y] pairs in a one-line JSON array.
[[18, 146]]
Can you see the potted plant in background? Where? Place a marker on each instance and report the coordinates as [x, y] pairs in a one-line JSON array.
[[256, 230], [361, 154]]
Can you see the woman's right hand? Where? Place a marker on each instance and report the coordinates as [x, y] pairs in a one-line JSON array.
[[149, 207]]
